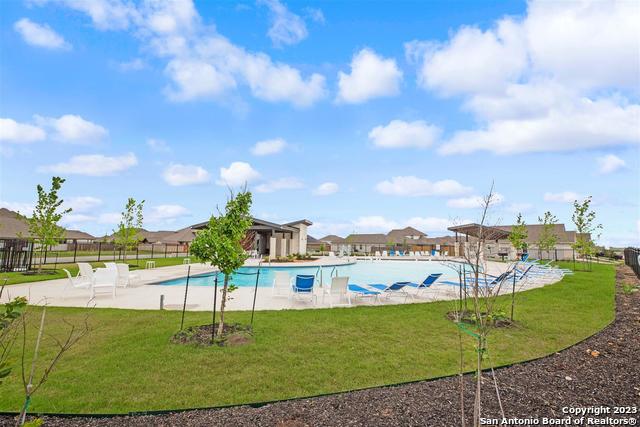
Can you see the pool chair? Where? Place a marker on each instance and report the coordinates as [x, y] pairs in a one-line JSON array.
[[337, 290], [361, 292], [85, 271], [385, 254], [124, 275], [78, 282], [395, 289], [332, 254], [377, 254], [281, 284], [302, 287], [104, 281], [426, 283]]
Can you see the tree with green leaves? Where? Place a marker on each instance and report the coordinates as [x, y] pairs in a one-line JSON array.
[[519, 234], [220, 243], [547, 239], [128, 234], [43, 223], [584, 219]]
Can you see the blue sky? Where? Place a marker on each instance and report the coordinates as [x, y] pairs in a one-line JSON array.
[[359, 116]]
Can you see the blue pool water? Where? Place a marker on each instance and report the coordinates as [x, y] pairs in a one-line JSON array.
[[362, 272]]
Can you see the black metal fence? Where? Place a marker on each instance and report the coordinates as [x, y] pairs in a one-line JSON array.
[[632, 259], [15, 255], [22, 255]]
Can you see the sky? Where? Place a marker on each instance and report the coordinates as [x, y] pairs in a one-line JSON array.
[[359, 116]]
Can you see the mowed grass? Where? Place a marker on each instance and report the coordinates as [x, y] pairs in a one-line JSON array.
[[127, 363], [51, 273]]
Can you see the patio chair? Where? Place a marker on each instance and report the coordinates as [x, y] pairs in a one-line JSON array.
[[338, 287], [395, 289], [302, 287], [377, 254], [332, 254], [111, 265], [78, 282], [104, 281], [360, 291], [281, 284], [385, 254], [426, 283], [85, 271], [124, 276]]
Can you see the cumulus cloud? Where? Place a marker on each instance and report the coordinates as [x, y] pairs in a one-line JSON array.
[[105, 14], [92, 165], [610, 163], [166, 213], [40, 35], [326, 189], [543, 82], [520, 207], [269, 146], [371, 76], [23, 208], [413, 186], [81, 204], [158, 145], [279, 184], [12, 131], [401, 134], [135, 64], [287, 28], [72, 128], [374, 223], [109, 218], [474, 201], [238, 173], [562, 197], [179, 175]]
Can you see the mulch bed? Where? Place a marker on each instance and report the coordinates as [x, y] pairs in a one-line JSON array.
[[604, 370], [234, 334]]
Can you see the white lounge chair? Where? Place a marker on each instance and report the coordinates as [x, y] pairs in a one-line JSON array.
[[332, 254], [85, 271], [337, 288], [385, 254], [104, 281], [111, 265], [281, 284], [124, 275], [78, 282]]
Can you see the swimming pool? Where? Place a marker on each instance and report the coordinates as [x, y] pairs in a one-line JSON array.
[[361, 272]]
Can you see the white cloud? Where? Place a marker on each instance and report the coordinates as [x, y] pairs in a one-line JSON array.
[[374, 223], [166, 213], [520, 207], [92, 165], [543, 82], [73, 129], [287, 28], [414, 187], [315, 15], [433, 224], [135, 64], [81, 204], [326, 189], [178, 175], [610, 163], [279, 184], [40, 35], [371, 76], [22, 208], [238, 173], [269, 146], [562, 197], [401, 134], [12, 131], [71, 219], [158, 145], [109, 218], [474, 201], [105, 14]]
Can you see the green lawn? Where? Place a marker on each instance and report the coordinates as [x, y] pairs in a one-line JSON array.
[[128, 363], [17, 277]]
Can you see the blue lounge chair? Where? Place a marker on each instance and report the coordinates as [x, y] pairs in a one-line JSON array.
[[426, 283], [360, 291], [303, 287], [394, 289]]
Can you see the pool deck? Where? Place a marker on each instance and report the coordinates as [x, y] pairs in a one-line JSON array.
[[142, 295]]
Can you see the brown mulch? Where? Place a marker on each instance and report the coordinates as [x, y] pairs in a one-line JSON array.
[[603, 370]]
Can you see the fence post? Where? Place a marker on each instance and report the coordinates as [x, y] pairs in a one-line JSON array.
[[75, 251], [137, 247], [176, 250], [99, 250], [165, 250], [152, 251]]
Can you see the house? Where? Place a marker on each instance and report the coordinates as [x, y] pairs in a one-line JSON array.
[[78, 236], [274, 240], [12, 226]]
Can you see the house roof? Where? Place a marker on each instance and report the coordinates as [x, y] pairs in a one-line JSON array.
[[400, 235], [258, 224], [534, 231], [12, 226], [300, 221], [184, 235], [312, 240], [77, 234], [332, 238], [477, 230]]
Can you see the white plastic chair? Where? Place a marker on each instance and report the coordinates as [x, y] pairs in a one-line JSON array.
[[337, 288], [104, 281], [332, 254], [85, 271], [281, 284], [124, 275], [78, 282]]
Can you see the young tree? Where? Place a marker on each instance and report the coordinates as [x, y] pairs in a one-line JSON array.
[[519, 234], [584, 218], [548, 238], [127, 236], [43, 223], [220, 243]]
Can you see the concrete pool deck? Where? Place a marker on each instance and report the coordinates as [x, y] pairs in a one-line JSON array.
[[143, 295]]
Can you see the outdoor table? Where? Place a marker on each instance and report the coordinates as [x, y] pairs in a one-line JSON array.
[[186, 261], [150, 264]]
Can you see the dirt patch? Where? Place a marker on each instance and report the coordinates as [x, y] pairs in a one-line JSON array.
[[234, 334], [600, 371]]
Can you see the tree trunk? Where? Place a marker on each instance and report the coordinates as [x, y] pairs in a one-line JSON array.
[[223, 303]]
